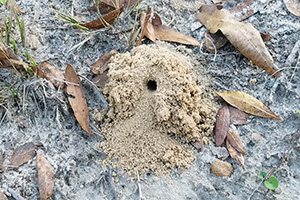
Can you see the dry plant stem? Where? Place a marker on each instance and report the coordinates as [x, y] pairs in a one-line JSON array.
[[284, 158]]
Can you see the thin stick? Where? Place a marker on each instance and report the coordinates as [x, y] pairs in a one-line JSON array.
[[139, 185]]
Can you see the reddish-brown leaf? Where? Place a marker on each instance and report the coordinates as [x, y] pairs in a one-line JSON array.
[[23, 154], [156, 31], [235, 140], [45, 177], [241, 35], [103, 21], [102, 63], [77, 98], [247, 103], [238, 158], [2, 196], [100, 79], [238, 117], [222, 125], [53, 74]]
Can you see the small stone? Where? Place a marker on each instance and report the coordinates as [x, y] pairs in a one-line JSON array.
[[221, 168], [156, 178], [256, 137], [116, 180], [220, 152], [113, 174], [253, 81]]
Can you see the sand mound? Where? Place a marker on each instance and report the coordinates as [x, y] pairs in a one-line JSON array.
[[155, 107]]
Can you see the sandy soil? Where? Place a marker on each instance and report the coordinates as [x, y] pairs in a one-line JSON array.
[[75, 155]]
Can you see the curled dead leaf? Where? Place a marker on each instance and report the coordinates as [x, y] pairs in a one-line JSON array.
[[77, 98], [222, 125], [154, 30], [247, 103], [241, 35], [103, 21], [45, 177], [53, 74], [102, 63], [238, 158], [23, 154], [235, 140]]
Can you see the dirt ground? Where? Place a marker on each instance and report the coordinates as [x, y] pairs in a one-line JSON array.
[[75, 156]]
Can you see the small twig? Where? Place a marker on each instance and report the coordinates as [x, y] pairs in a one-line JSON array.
[[139, 185]]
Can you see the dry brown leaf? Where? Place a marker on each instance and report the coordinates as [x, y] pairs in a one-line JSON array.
[[53, 74], [23, 154], [102, 63], [215, 41], [77, 99], [45, 177], [100, 79], [222, 125], [3, 196], [14, 6], [293, 6], [241, 35], [238, 158], [265, 37], [235, 140], [221, 168], [247, 103], [103, 21], [121, 3], [156, 31], [238, 117]]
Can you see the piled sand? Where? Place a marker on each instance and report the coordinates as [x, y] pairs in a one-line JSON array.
[[155, 108]]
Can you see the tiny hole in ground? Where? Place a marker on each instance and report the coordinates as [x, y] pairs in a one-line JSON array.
[[151, 85]]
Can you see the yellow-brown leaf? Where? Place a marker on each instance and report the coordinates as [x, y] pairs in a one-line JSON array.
[[102, 63], [248, 104], [77, 98]]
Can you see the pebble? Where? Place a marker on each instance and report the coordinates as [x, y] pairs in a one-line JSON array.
[[34, 42], [221, 168], [220, 152], [256, 137]]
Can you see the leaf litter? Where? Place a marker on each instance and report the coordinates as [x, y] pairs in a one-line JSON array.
[[241, 35], [153, 29]]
